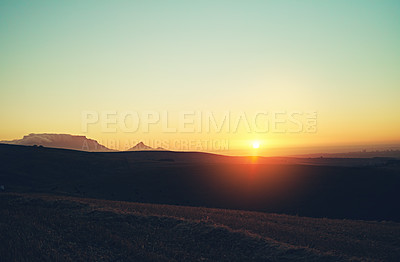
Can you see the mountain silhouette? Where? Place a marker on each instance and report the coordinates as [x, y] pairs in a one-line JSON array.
[[66, 141], [142, 147]]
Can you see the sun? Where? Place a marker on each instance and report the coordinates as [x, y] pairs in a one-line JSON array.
[[256, 144]]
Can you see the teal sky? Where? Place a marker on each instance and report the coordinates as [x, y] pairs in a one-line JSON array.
[[341, 58]]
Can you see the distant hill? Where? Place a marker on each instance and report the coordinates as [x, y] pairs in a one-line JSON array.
[[142, 147], [60, 141], [361, 154], [334, 188]]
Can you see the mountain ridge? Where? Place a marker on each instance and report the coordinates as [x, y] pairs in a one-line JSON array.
[[66, 141]]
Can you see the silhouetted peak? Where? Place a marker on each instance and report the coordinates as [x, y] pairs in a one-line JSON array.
[[141, 146]]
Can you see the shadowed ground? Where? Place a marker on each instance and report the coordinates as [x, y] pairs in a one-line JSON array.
[[65, 205], [365, 189], [55, 228]]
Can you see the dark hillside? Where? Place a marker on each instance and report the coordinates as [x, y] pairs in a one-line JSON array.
[[198, 179]]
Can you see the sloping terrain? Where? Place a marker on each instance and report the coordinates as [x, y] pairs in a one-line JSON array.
[[198, 179], [58, 228]]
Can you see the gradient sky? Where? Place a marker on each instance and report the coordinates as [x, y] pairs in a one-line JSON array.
[[339, 58]]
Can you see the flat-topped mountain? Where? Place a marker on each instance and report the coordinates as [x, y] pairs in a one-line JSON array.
[[59, 141]]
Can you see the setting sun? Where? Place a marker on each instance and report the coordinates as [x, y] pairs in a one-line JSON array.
[[256, 144]]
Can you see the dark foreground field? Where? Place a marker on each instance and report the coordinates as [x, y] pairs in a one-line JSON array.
[[58, 228], [66, 205]]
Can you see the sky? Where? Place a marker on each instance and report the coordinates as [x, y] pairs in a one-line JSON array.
[[60, 60]]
